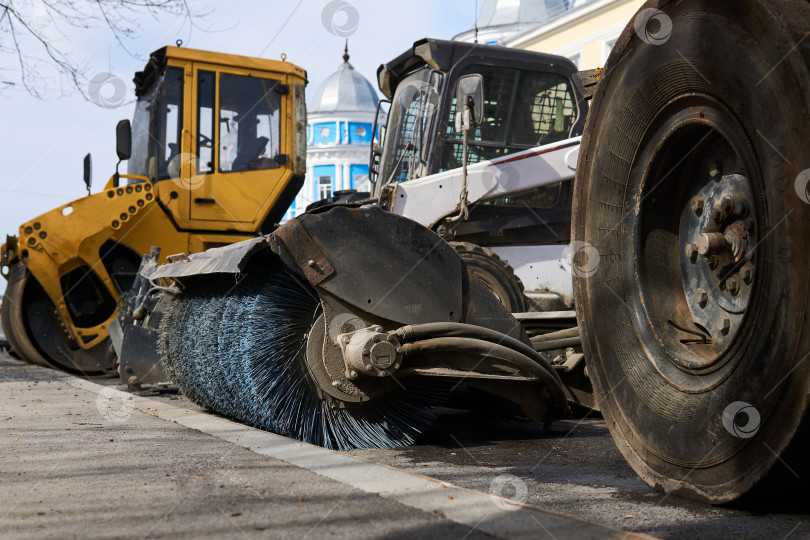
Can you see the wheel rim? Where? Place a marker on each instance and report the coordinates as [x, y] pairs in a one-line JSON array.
[[695, 226], [494, 286]]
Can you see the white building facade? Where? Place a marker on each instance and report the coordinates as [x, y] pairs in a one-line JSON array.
[[499, 20]]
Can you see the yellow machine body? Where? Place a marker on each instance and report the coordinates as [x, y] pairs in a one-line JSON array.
[[207, 178]]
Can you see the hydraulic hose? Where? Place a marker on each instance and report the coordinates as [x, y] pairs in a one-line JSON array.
[[431, 330], [549, 345], [485, 349], [558, 334]]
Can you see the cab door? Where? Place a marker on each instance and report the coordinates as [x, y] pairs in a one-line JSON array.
[[238, 165]]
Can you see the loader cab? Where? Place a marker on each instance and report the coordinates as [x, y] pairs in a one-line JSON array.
[[529, 100], [222, 136]]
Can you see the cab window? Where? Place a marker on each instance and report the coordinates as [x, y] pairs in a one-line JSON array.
[[157, 127], [522, 109], [249, 114], [206, 87], [168, 122]]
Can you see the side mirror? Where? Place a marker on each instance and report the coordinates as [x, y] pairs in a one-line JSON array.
[[469, 97], [88, 172], [123, 140]]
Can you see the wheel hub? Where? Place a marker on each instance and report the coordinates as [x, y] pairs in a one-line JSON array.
[[718, 237]]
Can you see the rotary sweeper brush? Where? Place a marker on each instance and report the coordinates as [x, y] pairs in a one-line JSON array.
[[343, 328]]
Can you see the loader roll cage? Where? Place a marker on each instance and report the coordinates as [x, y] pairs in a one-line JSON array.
[[529, 101]]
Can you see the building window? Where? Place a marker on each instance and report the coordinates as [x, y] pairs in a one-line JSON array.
[[576, 58], [607, 46], [324, 187]]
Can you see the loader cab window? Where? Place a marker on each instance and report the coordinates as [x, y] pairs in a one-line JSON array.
[[169, 123], [410, 122], [206, 88], [157, 127], [522, 109], [249, 130]]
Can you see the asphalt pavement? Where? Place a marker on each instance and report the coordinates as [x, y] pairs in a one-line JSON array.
[[81, 459]]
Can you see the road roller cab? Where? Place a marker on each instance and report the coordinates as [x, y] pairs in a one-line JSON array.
[[215, 154]]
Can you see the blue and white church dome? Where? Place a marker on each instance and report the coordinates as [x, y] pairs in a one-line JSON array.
[[339, 123]]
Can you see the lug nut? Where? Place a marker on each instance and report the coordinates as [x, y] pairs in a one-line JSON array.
[[697, 205], [352, 374], [691, 252], [733, 285], [701, 296], [716, 170], [723, 324], [727, 205], [747, 274]]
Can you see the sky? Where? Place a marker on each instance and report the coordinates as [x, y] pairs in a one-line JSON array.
[[45, 140]]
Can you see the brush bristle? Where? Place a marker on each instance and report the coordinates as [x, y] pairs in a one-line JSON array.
[[238, 349]]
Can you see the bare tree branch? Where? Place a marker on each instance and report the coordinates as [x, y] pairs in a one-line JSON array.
[[29, 29]]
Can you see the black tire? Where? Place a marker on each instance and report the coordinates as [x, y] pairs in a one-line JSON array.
[[22, 293], [730, 80], [495, 273]]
